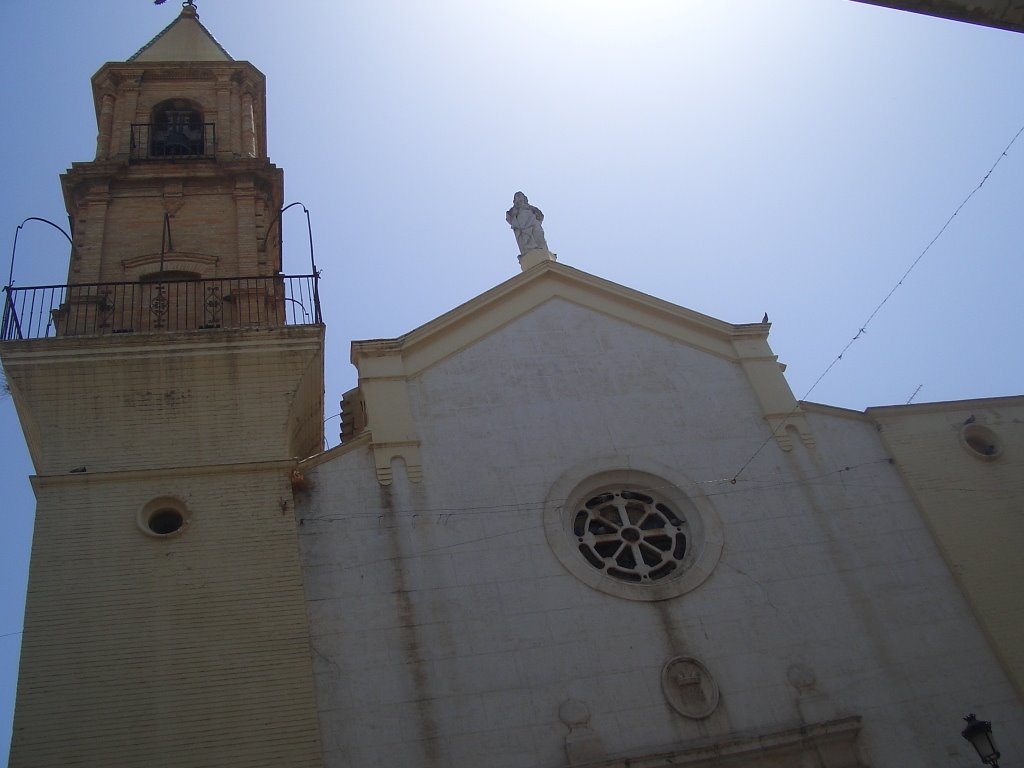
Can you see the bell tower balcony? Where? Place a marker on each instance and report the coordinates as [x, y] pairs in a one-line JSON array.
[[172, 302], [153, 141]]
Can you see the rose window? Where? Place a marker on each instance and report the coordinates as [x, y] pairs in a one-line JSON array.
[[630, 535]]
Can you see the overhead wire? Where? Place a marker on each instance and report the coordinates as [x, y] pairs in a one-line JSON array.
[[540, 503], [375, 561], [824, 479], [863, 327]]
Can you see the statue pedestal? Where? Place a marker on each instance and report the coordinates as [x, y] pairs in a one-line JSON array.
[[533, 258]]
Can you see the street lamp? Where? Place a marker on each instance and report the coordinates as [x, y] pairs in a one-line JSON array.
[[979, 734]]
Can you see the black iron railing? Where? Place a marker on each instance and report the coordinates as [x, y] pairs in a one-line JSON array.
[[92, 309], [153, 142]]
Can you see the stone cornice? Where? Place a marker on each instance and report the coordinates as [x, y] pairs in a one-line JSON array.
[[130, 475], [832, 410], [469, 322], [269, 177], [39, 352], [384, 365], [1011, 401]]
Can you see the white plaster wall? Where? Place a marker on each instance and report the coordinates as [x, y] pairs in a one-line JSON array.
[[446, 632]]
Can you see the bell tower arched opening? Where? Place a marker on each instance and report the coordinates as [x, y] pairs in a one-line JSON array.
[[177, 129]]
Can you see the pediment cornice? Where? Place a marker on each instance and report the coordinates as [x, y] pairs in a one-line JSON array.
[[470, 322]]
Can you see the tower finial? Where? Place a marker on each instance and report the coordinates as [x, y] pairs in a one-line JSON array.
[[185, 4]]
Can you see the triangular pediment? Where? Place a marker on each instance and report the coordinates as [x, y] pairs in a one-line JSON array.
[[490, 311], [381, 403], [184, 39]]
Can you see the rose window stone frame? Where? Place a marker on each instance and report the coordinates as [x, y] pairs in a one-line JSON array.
[[633, 533]]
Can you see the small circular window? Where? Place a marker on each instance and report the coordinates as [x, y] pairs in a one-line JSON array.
[[981, 441], [632, 534], [163, 517]]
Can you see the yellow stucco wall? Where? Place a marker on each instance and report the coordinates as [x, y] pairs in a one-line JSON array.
[[972, 503], [184, 650]]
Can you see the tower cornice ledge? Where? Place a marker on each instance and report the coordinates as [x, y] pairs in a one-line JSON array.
[[191, 470], [120, 72], [104, 402], [165, 344], [190, 168]]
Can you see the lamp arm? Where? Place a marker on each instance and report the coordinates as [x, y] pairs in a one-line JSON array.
[[14, 248]]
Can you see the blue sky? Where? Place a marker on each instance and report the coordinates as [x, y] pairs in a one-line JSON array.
[[784, 156]]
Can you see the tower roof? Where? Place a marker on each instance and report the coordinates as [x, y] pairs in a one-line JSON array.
[[184, 39]]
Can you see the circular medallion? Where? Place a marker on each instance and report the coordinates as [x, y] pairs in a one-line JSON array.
[[689, 687]]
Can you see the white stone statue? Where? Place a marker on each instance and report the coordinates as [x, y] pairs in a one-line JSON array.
[[525, 220]]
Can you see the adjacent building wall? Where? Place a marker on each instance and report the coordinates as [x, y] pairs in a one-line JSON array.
[[964, 462]]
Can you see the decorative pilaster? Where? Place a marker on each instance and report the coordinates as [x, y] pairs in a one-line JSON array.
[[121, 139], [245, 217], [388, 412], [225, 140], [105, 125], [781, 409], [248, 127], [91, 218]]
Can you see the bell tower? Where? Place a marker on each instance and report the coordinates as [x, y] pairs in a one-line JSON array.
[[181, 190], [166, 392]]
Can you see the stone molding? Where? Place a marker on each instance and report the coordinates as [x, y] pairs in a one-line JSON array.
[[466, 324], [829, 744], [133, 475], [386, 452], [185, 343], [200, 263]]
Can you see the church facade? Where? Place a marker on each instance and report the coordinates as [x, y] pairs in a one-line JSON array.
[[535, 553], [569, 523]]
